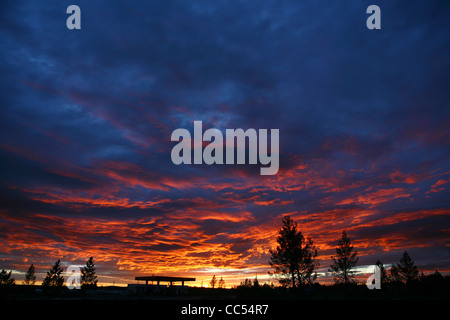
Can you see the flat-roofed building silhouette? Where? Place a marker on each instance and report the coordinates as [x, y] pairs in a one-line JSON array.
[[159, 279]]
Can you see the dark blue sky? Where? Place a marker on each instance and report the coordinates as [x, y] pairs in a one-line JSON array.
[[87, 117]]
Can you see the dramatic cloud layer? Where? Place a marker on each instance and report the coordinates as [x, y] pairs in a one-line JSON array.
[[87, 116]]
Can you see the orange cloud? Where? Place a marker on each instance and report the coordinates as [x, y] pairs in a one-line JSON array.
[[438, 186], [375, 198]]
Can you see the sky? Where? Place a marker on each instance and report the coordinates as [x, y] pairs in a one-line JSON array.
[[87, 117]]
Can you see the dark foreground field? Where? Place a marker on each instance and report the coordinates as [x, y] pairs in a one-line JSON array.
[[431, 289]]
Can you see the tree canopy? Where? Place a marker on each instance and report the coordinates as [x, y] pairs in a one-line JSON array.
[[294, 259], [30, 276], [88, 276], [54, 277], [404, 270], [6, 279], [344, 261]]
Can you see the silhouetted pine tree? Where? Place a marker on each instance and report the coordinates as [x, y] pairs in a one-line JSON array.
[[383, 273], [295, 257], [6, 279], [406, 268], [30, 276], [344, 261], [394, 275], [54, 277], [88, 277], [306, 269]]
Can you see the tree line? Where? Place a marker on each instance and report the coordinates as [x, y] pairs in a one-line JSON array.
[[295, 261], [54, 277]]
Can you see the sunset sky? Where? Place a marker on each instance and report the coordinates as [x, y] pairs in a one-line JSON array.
[[87, 116]]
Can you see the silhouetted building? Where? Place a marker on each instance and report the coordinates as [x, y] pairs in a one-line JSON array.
[[158, 288]]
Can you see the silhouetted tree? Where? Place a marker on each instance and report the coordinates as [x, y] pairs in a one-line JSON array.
[[221, 283], [54, 277], [344, 261], [394, 275], [30, 276], [434, 279], [88, 277], [306, 269], [406, 268], [383, 273], [256, 282], [247, 283], [295, 257], [6, 279], [213, 282]]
